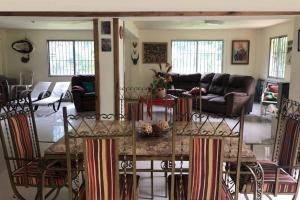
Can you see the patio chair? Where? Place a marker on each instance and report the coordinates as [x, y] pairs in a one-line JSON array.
[[25, 83], [59, 91], [103, 146], [25, 165], [281, 174]]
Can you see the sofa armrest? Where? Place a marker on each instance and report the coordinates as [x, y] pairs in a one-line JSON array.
[[235, 102], [175, 92], [78, 89]]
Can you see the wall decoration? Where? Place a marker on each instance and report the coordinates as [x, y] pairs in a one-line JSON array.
[[135, 54], [24, 47], [240, 52], [106, 44], [155, 52], [299, 40], [105, 28], [289, 52]]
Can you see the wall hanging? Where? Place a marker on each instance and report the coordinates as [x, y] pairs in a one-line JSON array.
[[24, 47], [135, 54]]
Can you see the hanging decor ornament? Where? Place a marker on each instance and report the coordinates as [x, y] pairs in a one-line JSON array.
[[24, 47], [135, 54]]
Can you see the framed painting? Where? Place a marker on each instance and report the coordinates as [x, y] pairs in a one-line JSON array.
[[155, 52], [240, 52]]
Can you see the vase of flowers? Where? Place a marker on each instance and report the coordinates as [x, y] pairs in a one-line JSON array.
[[161, 81]]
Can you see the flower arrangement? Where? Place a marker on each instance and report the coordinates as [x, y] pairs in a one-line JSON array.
[[161, 80]]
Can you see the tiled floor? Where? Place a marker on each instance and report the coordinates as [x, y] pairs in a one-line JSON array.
[[50, 129]]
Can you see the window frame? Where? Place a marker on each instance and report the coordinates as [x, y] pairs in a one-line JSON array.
[[197, 40], [270, 45], [67, 40]]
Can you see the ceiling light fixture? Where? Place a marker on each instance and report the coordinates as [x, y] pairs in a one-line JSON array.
[[213, 22]]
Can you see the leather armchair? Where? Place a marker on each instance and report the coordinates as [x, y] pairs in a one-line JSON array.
[[84, 100]]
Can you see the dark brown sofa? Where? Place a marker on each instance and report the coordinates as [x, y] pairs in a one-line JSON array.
[[225, 94], [84, 100]]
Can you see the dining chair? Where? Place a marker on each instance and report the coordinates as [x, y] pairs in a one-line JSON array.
[[107, 149], [203, 128], [25, 165], [281, 174]]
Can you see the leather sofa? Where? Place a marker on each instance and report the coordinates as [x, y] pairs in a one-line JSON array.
[[83, 91], [223, 94], [5, 83]]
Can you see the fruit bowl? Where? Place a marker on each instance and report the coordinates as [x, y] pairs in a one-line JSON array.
[[147, 129]]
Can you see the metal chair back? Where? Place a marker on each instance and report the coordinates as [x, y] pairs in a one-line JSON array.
[[88, 134]]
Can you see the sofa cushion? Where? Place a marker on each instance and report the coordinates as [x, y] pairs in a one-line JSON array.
[[187, 81], [88, 86], [218, 100], [238, 83], [206, 80], [218, 84]]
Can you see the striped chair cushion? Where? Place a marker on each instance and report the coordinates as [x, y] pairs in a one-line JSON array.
[[101, 169], [134, 110], [289, 143], [123, 196], [225, 194], [21, 137], [287, 184], [184, 109], [206, 168], [29, 175], [205, 174]]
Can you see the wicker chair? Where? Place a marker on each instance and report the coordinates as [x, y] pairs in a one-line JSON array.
[[100, 149], [25, 165]]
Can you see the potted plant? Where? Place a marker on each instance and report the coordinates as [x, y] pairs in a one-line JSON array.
[[161, 81]]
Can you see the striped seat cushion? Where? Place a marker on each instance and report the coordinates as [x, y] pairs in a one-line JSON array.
[[287, 184], [134, 110], [289, 150], [184, 109], [29, 175], [225, 194], [207, 160], [21, 137], [123, 196]]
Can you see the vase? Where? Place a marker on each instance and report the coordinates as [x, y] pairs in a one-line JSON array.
[[161, 92]]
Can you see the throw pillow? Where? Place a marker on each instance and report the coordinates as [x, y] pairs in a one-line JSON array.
[[88, 86]]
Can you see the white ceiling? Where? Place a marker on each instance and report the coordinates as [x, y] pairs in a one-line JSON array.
[[80, 23], [46, 23], [201, 24]]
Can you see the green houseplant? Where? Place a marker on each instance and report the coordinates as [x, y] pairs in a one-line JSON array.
[[161, 80]]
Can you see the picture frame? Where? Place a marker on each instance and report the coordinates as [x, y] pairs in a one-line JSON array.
[[155, 52], [299, 40], [240, 52], [106, 45], [105, 28]]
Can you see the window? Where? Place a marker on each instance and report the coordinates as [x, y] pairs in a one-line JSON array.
[[201, 56], [278, 50], [67, 58]]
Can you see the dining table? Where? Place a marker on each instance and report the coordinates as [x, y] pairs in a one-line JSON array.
[[157, 147]]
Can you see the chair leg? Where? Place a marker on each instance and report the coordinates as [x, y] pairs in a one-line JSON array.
[[152, 190]]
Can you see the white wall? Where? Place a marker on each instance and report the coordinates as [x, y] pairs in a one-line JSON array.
[[2, 52], [38, 58], [295, 69], [143, 76], [263, 48]]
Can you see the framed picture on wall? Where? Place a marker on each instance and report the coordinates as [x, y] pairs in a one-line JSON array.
[[155, 52], [105, 28], [240, 52], [106, 44]]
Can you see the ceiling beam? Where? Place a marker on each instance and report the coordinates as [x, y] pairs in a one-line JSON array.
[[145, 13]]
